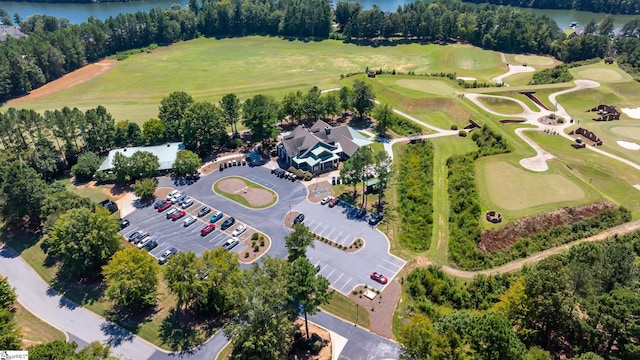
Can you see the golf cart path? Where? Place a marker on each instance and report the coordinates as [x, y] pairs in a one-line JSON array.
[[513, 69], [519, 264]]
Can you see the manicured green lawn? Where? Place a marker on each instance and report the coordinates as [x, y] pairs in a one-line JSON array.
[[95, 193], [501, 105], [345, 308], [241, 199], [209, 68], [34, 330], [601, 72]]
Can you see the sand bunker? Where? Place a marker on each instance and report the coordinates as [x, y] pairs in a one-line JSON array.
[[628, 145], [465, 78], [632, 113]]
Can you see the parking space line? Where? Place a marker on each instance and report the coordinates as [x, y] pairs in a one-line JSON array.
[[331, 273], [316, 228], [338, 279], [324, 229], [346, 238], [393, 271], [311, 223], [345, 284], [338, 237], [391, 263], [332, 230]]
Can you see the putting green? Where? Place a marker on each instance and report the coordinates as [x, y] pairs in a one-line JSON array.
[[627, 131], [514, 189], [534, 60], [600, 74], [435, 87]]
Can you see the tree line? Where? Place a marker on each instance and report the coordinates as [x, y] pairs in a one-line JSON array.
[[582, 304], [55, 47], [599, 6]]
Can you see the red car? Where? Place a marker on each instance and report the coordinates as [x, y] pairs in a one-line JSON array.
[[164, 206], [178, 215], [207, 229], [333, 202], [379, 277]]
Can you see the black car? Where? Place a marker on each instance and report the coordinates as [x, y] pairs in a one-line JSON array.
[[298, 219], [158, 203], [134, 236], [123, 223], [375, 218], [164, 257], [361, 212], [227, 223], [204, 211], [150, 245]]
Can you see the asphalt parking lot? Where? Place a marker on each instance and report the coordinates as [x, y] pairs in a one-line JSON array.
[[169, 233]]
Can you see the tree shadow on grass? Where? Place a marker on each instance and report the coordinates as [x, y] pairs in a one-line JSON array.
[[185, 330], [131, 320], [19, 240], [79, 292]]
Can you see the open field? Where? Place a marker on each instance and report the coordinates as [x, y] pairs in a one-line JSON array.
[[434, 87], [133, 88], [514, 188], [503, 106]]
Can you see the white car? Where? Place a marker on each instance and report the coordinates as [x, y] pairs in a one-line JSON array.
[[230, 244], [239, 230], [187, 202], [171, 212], [172, 194], [189, 220], [325, 200], [144, 242]]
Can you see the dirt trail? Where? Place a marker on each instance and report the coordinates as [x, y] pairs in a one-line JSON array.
[[71, 79], [518, 264]]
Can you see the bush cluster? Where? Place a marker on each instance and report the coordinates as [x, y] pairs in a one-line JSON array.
[[415, 195], [558, 74]]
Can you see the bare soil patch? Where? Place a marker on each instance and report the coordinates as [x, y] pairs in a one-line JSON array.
[[255, 197], [381, 308], [71, 79], [553, 121], [325, 352], [493, 240]]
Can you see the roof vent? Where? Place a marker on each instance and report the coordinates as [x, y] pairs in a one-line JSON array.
[[124, 149], [327, 130]]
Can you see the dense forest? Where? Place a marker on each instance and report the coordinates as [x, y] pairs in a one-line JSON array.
[[55, 47], [583, 304]]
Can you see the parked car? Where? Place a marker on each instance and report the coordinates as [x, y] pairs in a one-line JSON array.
[[239, 230], [230, 244], [204, 211], [172, 194], [166, 255], [325, 200], [144, 242], [215, 217], [178, 215], [227, 223], [164, 206], [376, 276], [140, 238], [158, 203], [298, 219], [187, 202], [134, 235], [178, 199], [189, 220], [150, 245], [123, 223], [333, 202], [171, 212], [207, 229], [376, 218], [361, 212]]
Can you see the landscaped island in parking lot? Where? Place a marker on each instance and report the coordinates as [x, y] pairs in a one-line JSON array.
[[245, 192]]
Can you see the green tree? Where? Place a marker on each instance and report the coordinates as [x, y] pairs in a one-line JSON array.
[[10, 337], [141, 164], [87, 165], [62, 350], [260, 115], [187, 162], [45, 159], [536, 353], [346, 98], [354, 169], [312, 104], [84, 241], [172, 110], [307, 287], [606, 26], [492, 338], [382, 168], [57, 203], [261, 318], [418, 339], [292, 106], [145, 188], [121, 136], [131, 278], [331, 103], [7, 294], [153, 131], [21, 194], [362, 97], [203, 127], [298, 240], [230, 105], [384, 118], [98, 129]]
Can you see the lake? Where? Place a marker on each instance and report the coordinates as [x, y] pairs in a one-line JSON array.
[[77, 13]]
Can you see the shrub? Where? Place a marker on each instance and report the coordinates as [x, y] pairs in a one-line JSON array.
[[261, 242], [462, 133], [254, 236], [234, 143], [256, 248], [454, 127], [246, 254], [308, 176], [103, 177], [316, 346], [560, 120], [253, 243]]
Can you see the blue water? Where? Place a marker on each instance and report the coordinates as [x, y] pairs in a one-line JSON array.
[[77, 13]]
